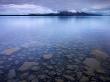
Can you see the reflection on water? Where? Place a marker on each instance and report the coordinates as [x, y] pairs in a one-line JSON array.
[[54, 49]]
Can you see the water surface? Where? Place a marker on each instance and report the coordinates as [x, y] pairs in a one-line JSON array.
[[28, 38]]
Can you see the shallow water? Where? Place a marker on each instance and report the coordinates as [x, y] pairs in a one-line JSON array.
[[93, 31], [29, 38]]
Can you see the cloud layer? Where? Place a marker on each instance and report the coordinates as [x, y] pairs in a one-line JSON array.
[[61, 4], [48, 6], [23, 9]]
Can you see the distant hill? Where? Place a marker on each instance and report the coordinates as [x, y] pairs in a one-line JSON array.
[[66, 13], [59, 13]]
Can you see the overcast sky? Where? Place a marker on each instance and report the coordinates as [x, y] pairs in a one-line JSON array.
[[45, 6], [62, 4]]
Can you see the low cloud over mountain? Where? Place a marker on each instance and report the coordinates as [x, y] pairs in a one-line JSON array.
[[23, 9]]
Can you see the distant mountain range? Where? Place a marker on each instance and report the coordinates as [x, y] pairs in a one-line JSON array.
[[66, 13], [60, 13]]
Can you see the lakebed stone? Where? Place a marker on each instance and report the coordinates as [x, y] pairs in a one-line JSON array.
[[92, 63], [42, 76], [47, 56], [23, 81], [35, 68], [99, 55], [35, 80], [84, 79], [12, 73], [24, 75], [69, 77], [31, 77], [59, 80], [71, 67], [27, 65], [10, 51], [1, 62]]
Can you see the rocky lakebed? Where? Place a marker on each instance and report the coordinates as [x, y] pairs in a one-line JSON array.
[[57, 63]]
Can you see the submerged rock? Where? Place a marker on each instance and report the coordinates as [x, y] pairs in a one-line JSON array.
[[69, 77], [35, 80], [11, 80], [59, 80], [24, 75], [11, 74], [1, 72], [71, 67], [99, 55], [92, 65], [27, 66], [47, 56], [1, 62], [31, 77], [23, 81], [49, 67], [10, 51], [42, 76], [35, 68], [84, 79]]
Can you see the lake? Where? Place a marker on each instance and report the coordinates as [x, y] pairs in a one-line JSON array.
[[54, 48]]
